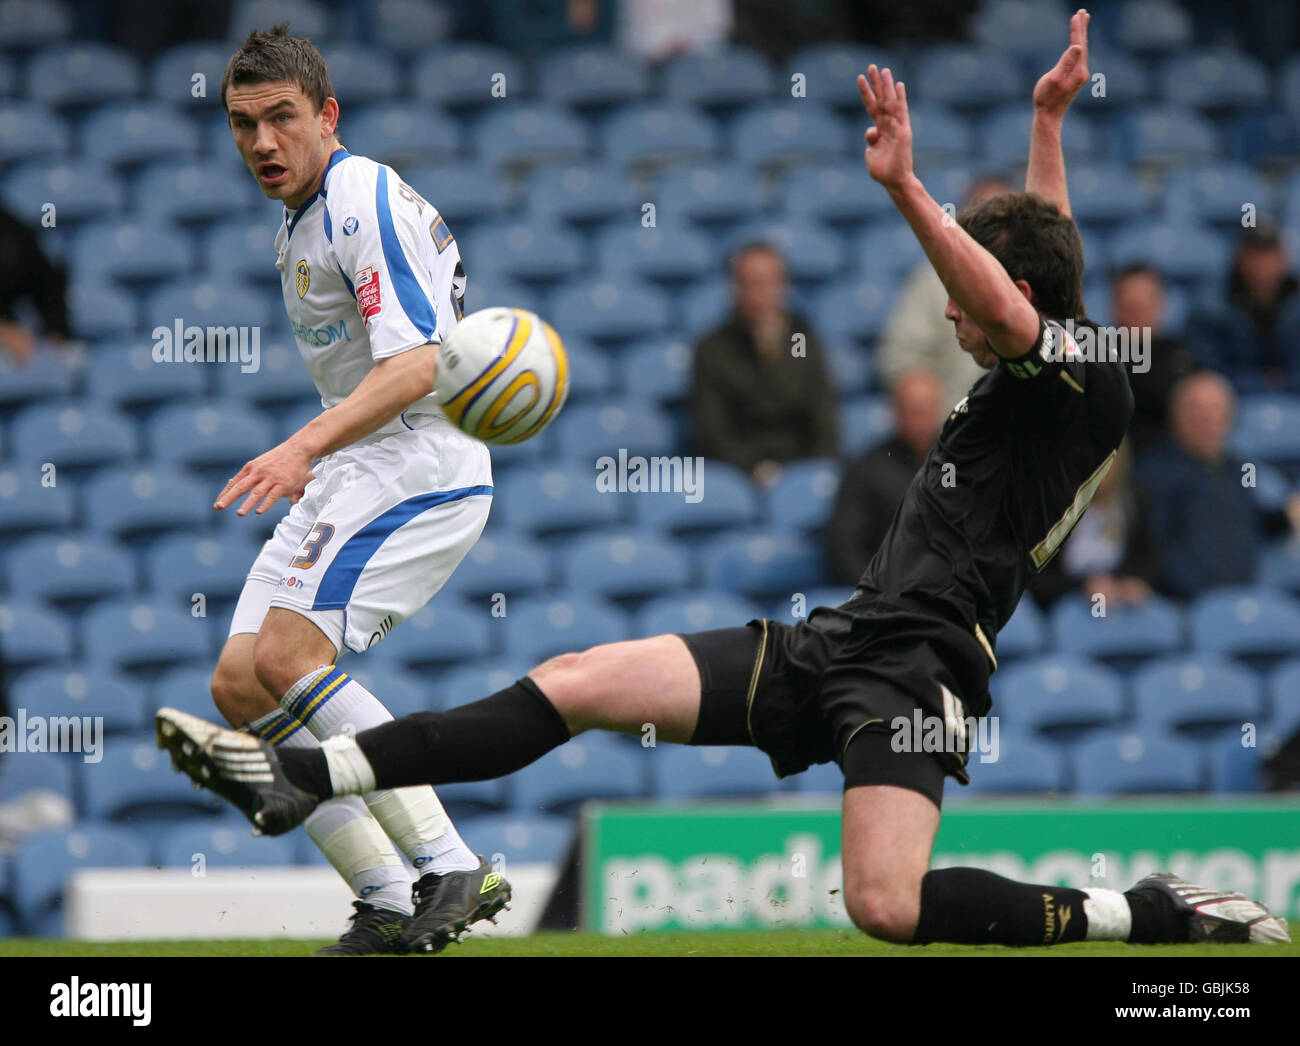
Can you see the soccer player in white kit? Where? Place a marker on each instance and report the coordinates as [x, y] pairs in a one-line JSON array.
[[387, 494]]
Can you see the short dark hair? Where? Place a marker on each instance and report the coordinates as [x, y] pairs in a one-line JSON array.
[[1138, 268], [1034, 242], [272, 55]]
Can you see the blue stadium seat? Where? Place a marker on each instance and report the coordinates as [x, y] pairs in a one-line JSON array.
[[1017, 27], [227, 844], [540, 839], [1188, 253], [552, 499], [1265, 138], [721, 77], [830, 71], [305, 17], [179, 565], [852, 366], [1284, 696], [789, 133], [208, 303], [26, 505], [135, 634], [40, 772], [191, 192], [726, 499], [171, 78], [463, 192], [713, 192], [124, 374], [187, 688], [278, 380], [818, 782], [1147, 629], [98, 310], [840, 193], [525, 249], [401, 692], [1105, 194], [1127, 81], [854, 308], [241, 249], [1169, 134], [587, 76], [84, 690], [135, 779], [1056, 691], [32, 634], [46, 376], [1025, 765], [486, 292], [130, 501], [135, 132], [446, 629], [610, 309], [529, 134], [360, 74], [1215, 79], [589, 431], [658, 134], [1280, 565], [543, 626], [1237, 761], [888, 252], [72, 435], [28, 23], [864, 422], [402, 134], [964, 77], [706, 306], [1268, 429], [623, 563], [68, 568], [412, 27], [1196, 691], [461, 686], [657, 369], [761, 563], [209, 434], [457, 74], [1137, 762], [594, 766], [694, 611], [803, 495], [501, 561], [1024, 634], [29, 130], [45, 861], [82, 73], [668, 251], [811, 252], [582, 193], [78, 191], [685, 772], [1005, 135], [1213, 194], [131, 249], [1153, 26], [1246, 622]]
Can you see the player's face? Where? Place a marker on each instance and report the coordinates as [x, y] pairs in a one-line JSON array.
[[970, 337], [284, 141]]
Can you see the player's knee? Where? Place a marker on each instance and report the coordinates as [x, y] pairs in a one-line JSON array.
[[277, 664], [227, 693], [567, 681], [881, 913]]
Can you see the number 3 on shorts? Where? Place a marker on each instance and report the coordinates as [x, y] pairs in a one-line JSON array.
[[311, 548]]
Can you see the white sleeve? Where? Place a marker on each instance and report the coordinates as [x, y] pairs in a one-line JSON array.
[[380, 234]]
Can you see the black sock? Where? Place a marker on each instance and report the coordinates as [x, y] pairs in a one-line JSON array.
[[1156, 920], [475, 742], [972, 906]]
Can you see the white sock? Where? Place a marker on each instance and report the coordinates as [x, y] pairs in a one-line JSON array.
[[1109, 916], [331, 703], [345, 832]]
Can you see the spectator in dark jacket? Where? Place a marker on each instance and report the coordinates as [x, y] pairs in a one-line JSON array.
[[875, 483], [28, 277], [761, 394]]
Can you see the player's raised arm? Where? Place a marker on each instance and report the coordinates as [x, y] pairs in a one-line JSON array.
[[1053, 94], [975, 279]]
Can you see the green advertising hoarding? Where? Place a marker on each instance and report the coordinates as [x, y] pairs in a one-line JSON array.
[[742, 866]]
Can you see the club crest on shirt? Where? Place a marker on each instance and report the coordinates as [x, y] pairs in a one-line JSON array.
[[303, 276], [963, 405], [368, 293]]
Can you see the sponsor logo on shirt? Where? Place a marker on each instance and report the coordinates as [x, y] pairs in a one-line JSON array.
[[368, 292]]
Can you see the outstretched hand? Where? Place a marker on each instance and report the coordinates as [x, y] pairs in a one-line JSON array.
[[889, 142], [1056, 89]]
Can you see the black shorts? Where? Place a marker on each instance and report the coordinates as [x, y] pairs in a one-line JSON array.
[[836, 688]]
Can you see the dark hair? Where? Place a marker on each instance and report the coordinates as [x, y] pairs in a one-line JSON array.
[[1034, 242], [272, 55], [1139, 268], [755, 247]]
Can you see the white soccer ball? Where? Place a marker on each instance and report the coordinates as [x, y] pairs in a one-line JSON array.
[[502, 375]]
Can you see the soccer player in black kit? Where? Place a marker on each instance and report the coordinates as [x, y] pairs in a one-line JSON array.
[[1014, 467]]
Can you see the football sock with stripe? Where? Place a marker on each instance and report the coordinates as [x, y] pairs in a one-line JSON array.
[[476, 742], [972, 906], [330, 703], [343, 829]]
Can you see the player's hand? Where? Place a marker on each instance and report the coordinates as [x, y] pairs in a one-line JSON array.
[[282, 472], [1055, 90], [889, 142]]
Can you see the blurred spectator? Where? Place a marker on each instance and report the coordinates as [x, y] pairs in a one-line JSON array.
[[1254, 339], [1138, 303], [27, 276], [1111, 550], [663, 29], [918, 335], [875, 483], [1208, 527], [759, 395]]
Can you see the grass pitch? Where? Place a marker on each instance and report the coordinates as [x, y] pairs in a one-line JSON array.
[[768, 943]]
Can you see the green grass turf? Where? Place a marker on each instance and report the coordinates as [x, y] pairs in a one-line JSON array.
[[774, 942]]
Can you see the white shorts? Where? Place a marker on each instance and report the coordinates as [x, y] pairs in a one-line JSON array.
[[375, 534]]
